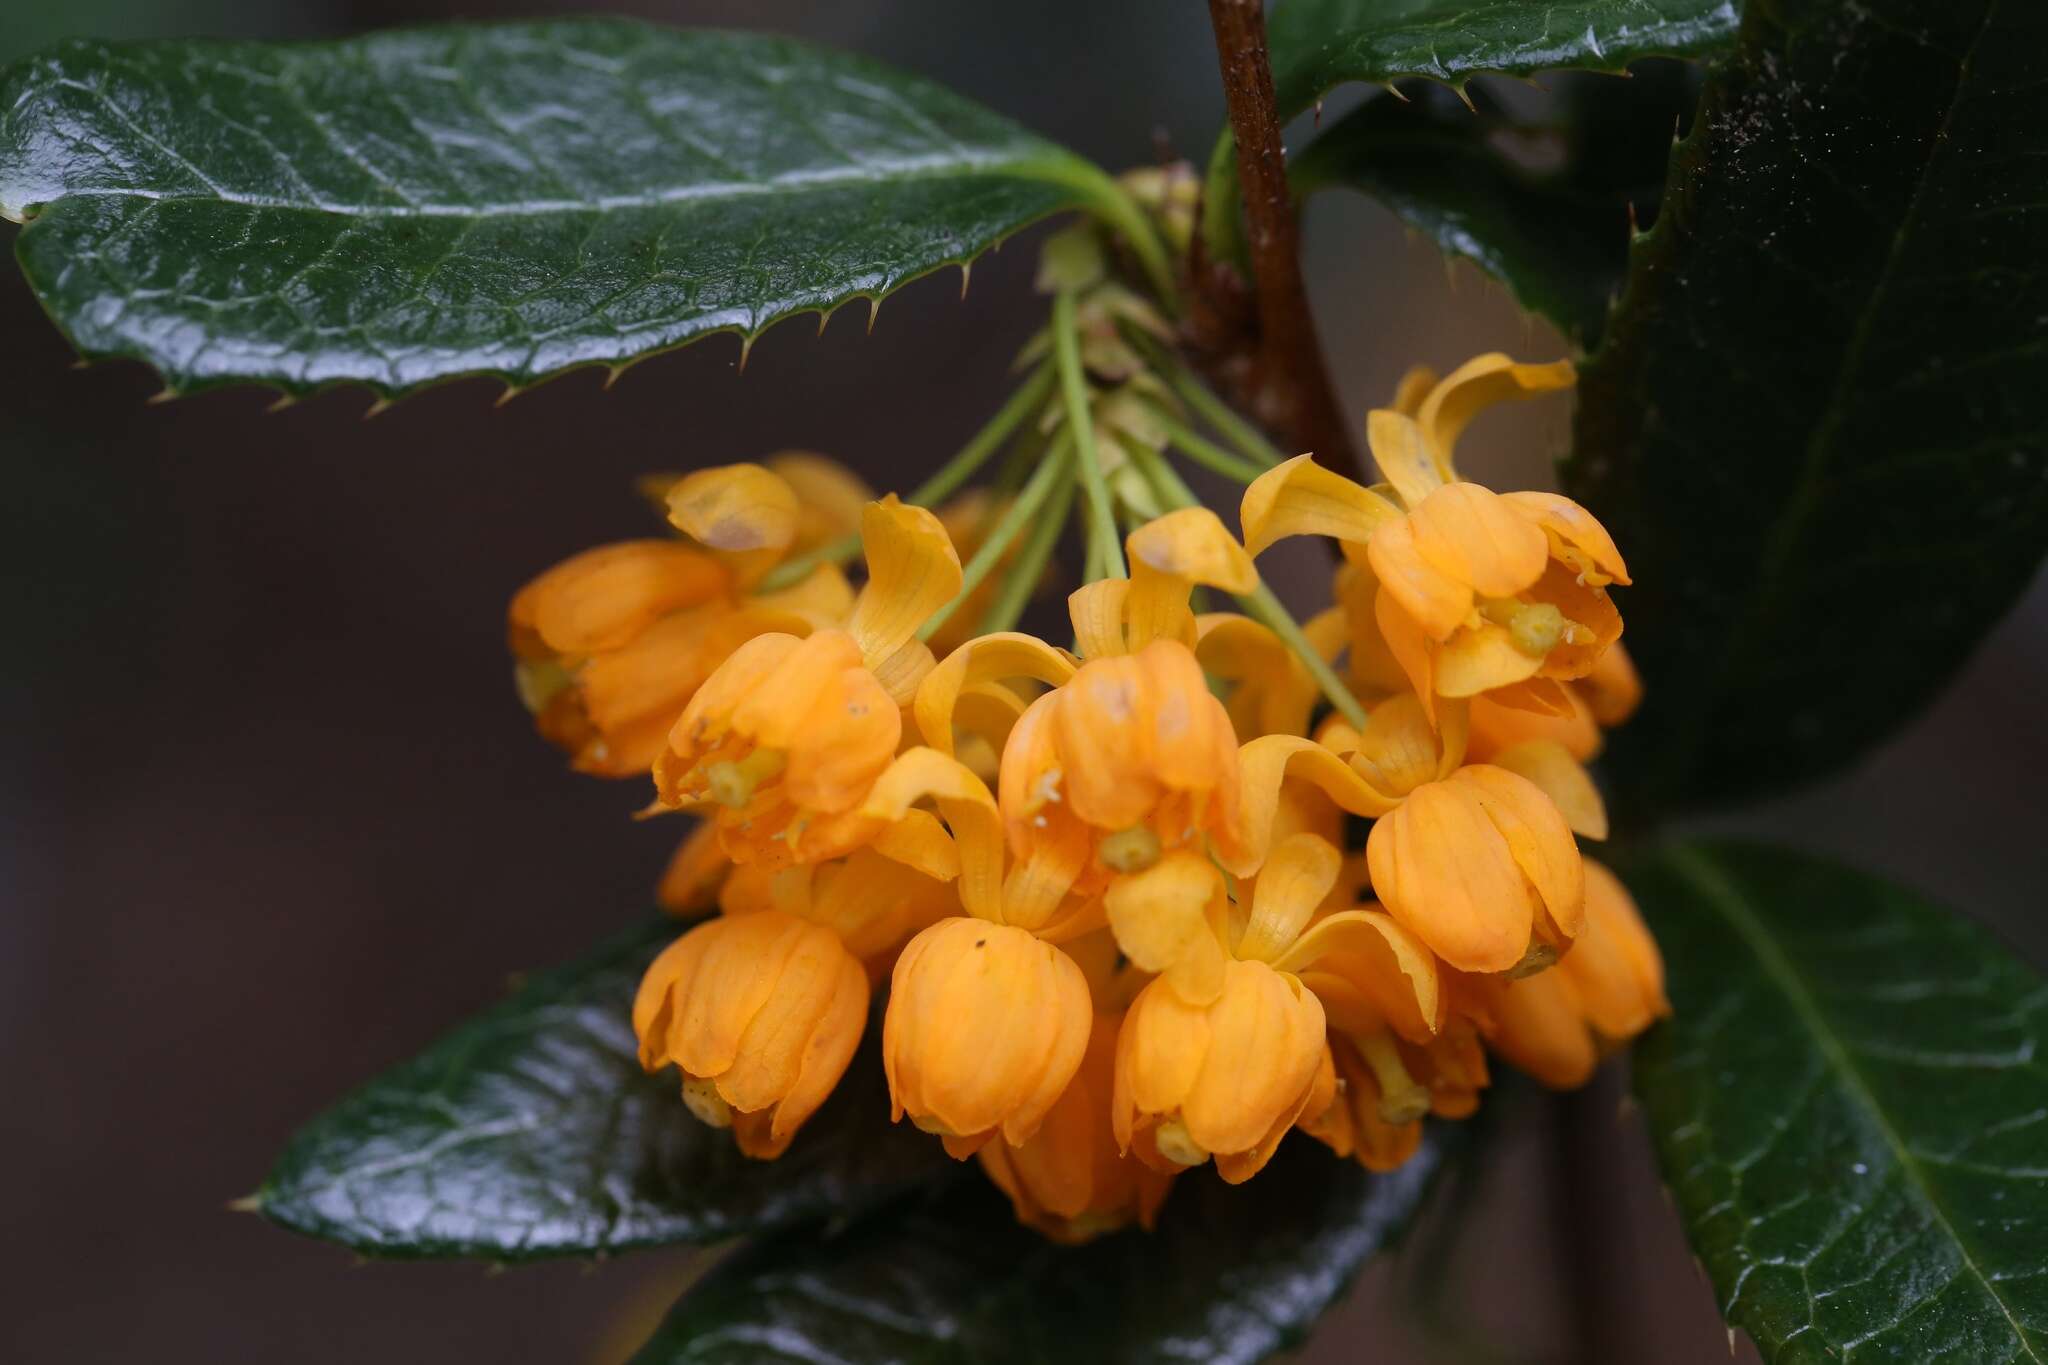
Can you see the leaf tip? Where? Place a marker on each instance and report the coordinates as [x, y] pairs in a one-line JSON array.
[[874, 311], [378, 408], [747, 340], [281, 402], [166, 394], [511, 392], [248, 1203], [966, 271]]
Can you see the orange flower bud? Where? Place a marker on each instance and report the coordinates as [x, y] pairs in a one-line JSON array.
[[986, 1026], [1609, 988], [761, 1013], [1069, 1180], [1482, 868], [1226, 1079]]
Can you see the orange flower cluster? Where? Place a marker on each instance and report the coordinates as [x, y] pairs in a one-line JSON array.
[[1109, 886]]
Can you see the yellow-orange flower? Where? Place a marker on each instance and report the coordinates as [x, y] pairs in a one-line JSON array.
[[1481, 866], [761, 1013], [986, 1027], [1556, 1025], [1069, 1180], [612, 643], [1221, 1053], [1474, 591], [1225, 1077], [782, 743]]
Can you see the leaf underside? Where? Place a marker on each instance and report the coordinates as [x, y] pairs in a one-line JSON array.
[[531, 1131], [1556, 234], [1817, 425], [1231, 1276], [1851, 1108], [510, 199], [1318, 45]]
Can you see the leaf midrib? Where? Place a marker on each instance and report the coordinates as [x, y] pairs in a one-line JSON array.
[[864, 175], [1820, 449], [1721, 893]]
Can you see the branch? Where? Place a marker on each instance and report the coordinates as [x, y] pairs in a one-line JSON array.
[[1288, 386]]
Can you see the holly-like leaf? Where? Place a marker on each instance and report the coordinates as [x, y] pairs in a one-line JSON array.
[[531, 1131], [1320, 44], [510, 199], [1232, 1275], [1850, 1102], [1817, 425], [1556, 232]]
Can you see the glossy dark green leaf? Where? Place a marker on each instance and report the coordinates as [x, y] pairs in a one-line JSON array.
[[1320, 44], [1546, 209], [1817, 426], [531, 1131], [1850, 1103], [510, 199], [1232, 1275]]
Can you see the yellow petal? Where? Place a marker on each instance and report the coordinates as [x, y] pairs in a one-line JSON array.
[[1614, 966], [1475, 536], [1299, 497], [1390, 968], [1399, 749], [1161, 919], [986, 659], [829, 496], [1436, 601], [1274, 693], [1269, 761], [1574, 526], [1169, 555], [919, 841], [913, 570], [1480, 658], [1191, 544], [968, 807], [822, 598], [734, 507], [1097, 613], [1296, 876], [901, 673], [1478, 384], [1403, 454], [1562, 778], [1413, 387], [1614, 689]]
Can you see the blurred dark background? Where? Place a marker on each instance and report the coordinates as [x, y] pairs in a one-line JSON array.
[[274, 817]]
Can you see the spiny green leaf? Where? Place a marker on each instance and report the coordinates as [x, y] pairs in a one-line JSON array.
[[1850, 1103], [1557, 235], [531, 1131], [1231, 1276], [1817, 425], [509, 199], [1320, 44]]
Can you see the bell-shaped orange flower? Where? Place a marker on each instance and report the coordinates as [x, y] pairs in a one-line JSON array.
[[987, 1024], [1226, 1077], [1556, 1025], [1475, 591], [1481, 866], [1069, 1180], [611, 644], [782, 743], [761, 1013]]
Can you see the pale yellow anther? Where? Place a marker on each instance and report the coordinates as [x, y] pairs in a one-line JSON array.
[[1129, 850], [1177, 1145], [1536, 628], [1401, 1099], [540, 681], [1539, 957], [926, 1123], [732, 783], [703, 1100]]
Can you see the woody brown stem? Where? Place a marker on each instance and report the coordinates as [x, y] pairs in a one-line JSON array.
[[1287, 385]]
